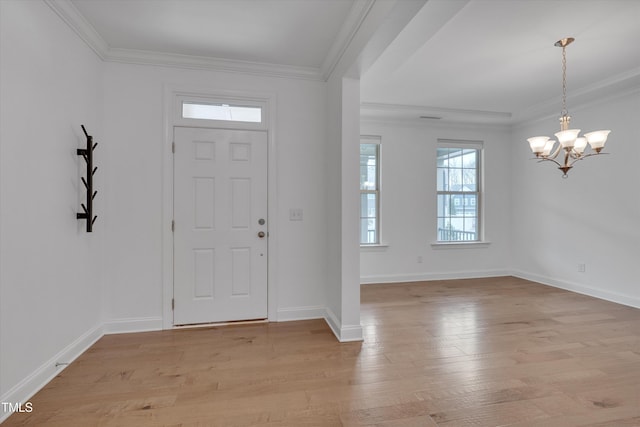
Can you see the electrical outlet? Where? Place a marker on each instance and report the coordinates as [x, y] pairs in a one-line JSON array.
[[581, 268]]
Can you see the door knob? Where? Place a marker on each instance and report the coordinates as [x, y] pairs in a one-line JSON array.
[[261, 234]]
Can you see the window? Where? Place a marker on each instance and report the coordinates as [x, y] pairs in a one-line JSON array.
[[369, 190], [226, 112], [458, 188]]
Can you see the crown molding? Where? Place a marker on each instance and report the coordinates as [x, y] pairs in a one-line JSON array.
[[353, 22], [413, 113], [67, 11], [598, 92], [79, 24], [141, 57], [603, 91]]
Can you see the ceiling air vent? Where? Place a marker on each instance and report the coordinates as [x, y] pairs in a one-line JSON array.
[[431, 117]]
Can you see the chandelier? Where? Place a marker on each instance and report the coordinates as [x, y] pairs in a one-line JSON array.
[[570, 143]]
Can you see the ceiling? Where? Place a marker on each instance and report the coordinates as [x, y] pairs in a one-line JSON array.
[[496, 61], [285, 32], [490, 61]]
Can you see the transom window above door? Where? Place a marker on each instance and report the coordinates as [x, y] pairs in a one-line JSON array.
[[229, 113], [225, 112]]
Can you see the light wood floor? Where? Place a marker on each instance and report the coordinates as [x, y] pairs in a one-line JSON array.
[[487, 352]]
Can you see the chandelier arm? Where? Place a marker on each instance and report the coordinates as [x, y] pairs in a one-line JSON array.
[[555, 152], [585, 156], [548, 159]]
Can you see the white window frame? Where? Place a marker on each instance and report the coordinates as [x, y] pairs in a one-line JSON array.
[[480, 241], [373, 139]]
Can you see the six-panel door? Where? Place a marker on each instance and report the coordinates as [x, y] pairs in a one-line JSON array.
[[220, 236]]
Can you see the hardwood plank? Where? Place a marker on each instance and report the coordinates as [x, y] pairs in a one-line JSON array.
[[476, 352]]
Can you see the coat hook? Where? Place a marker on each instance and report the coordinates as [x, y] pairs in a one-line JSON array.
[[87, 154]]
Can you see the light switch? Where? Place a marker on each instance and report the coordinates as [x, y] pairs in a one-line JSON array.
[[295, 214]]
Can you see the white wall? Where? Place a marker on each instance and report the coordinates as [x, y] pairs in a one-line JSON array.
[[135, 132], [592, 217], [408, 205], [50, 268]]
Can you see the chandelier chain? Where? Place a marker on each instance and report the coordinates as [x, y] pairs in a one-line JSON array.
[[564, 82]]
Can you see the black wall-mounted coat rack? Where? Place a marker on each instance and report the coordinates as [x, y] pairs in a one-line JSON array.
[[87, 153]]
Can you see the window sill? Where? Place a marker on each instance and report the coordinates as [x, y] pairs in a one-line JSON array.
[[460, 245], [374, 248]]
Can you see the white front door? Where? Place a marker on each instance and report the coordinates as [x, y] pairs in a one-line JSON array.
[[220, 234]]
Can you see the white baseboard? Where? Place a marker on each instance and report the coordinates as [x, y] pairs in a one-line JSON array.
[[424, 277], [139, 324], [581, 289], [344, 333], [300, 313], [25, 389], [333, 322], [350, 333]]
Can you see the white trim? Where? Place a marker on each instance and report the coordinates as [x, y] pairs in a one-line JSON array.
[[579, 288], [377, 141], [162, 59], [349, 29], [71, 16], [332, 321], [370, 139], [269, 100], [67, 11], [35, 381], [374, 248], [344, 333], [426, 277], [411, 113], [351, 333], [461, 245], [460, 143], [140, 324], [167, 208], [434, 124], [600, 92], [300, 313]]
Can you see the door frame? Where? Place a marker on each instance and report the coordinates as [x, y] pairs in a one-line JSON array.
[[172, 118]]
